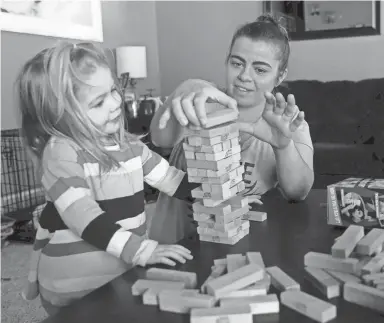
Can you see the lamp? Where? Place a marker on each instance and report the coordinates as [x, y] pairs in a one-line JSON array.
[[131, 65]]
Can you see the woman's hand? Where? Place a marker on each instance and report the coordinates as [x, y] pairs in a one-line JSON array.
[[164, 254], [189, 108], [280, 119]]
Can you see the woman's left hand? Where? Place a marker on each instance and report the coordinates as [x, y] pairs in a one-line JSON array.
[[280, 119]]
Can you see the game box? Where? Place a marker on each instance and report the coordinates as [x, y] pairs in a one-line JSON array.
[[358, 201]]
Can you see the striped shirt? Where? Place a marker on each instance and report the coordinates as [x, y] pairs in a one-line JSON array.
[[94, 227]]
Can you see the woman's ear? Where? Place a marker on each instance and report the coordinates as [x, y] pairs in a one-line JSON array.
[[281, 77]]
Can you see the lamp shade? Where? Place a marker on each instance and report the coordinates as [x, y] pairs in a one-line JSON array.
[[132, 60]]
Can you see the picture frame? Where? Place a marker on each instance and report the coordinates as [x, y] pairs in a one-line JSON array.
[[84, 22]]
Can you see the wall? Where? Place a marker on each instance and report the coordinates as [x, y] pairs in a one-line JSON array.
[[354, 58], [194, 37], [124, 23]]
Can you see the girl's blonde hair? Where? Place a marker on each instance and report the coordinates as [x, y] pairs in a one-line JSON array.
[[48, 85]]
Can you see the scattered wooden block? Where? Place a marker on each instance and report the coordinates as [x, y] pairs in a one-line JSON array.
[[150, 296], [280, 280], [369, 278], [189, 278], [366, 296], [141, 285], [217, 271], [235, 261], [236, 314], [235, 280], [343, 277], [325, 261], [323, 281], [255, 216], [371, 242], [361, 263], [308, 305], [374, 265], [261, 304], [255, 258], [183, 301], [251, 290], [343, 247]]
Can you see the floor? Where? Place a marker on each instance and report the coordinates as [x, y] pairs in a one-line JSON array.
[[14, 271]]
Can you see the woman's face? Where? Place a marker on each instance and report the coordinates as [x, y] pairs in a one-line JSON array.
[[252, 69]]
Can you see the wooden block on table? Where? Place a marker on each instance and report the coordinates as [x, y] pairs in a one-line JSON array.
[[236, 314], [217, 271], [189, 278], [255, 216], [370, 278], [326, 261], [254, 257], [374, 265], [251, 290], [150, 296], [373, 240], [235, 261], [308, 305], [281, 280], [227, 234], [377, 283], [363, 295], [362, 262], [260, 304], [343, 277], [323, 281], [221, 116], [230, 240], [183, 301], [214, 131], [265, 282], [141, 285], [344, 246], [235, 280]]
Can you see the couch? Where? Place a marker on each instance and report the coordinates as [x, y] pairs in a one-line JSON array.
[[346, 120]]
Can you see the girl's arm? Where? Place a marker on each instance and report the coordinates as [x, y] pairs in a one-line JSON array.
[[64, 180]]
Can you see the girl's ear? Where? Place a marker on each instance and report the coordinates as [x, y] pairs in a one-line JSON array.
[[281, 77]]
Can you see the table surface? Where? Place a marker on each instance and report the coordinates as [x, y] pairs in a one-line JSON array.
[[290, 231]]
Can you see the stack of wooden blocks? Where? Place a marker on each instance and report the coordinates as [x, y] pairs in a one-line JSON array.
[[354, 269], [238, 285], [213, 159]]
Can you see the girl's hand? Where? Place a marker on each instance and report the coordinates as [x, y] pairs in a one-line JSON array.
[[189, 108], [280, 119], [164, 254]]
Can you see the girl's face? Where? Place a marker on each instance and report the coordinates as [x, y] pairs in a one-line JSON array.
[[101, 100], [252, 69]]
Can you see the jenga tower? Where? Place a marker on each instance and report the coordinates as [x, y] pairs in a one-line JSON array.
[[213, 159]]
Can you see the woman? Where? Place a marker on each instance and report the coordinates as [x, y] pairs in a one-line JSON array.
[[276, 146]]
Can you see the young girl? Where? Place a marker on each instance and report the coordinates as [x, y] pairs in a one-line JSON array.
[[93, 228]]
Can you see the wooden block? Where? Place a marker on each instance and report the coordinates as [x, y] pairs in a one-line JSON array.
[[265, 282], [251, 290], [215, 131], [216, 180], [261, 304], [204, 141], [224, 164], [343, 277], [183, 301], [150, 296], [373, 240], [323, 281], [308, 305], [255, 258], [141, 285], [236, 314], [203, 149], [230, 240], [280, 280], [222, 187], [189, 278], [222, 209], [343, 247], [374, 265], [362, 262], [325, 261], [220, 261], [235, 280], [221, 116], [228, 234], [217, 271], [255, 216], [378, 282], [217, 173], [380, 287], [220, 155], [221, 227], [370, 278], [235, 261], [363, 295], [222, 219]]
